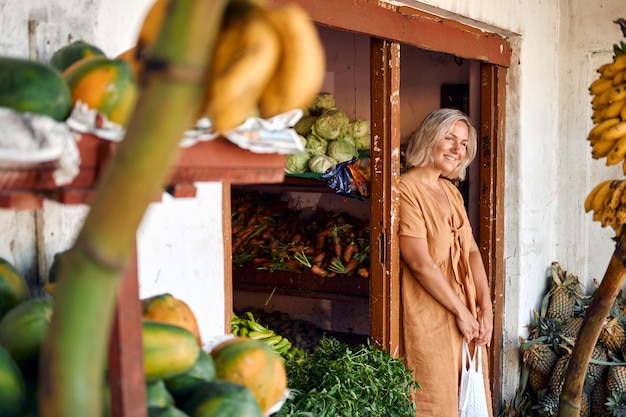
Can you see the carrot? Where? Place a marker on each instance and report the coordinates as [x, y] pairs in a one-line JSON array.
[[259, 261], [320, 241], [310, 250], [316, 270], [363, 272], [319, 258], [352, 264], [348, 251]]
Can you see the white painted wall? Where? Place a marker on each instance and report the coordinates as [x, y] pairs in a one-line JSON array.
[[549, 170]]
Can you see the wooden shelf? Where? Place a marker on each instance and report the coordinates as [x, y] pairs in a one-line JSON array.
[[354, 289], [218, 160]]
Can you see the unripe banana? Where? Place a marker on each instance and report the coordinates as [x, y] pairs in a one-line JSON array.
[[302, 66], [261, 335], [243, 62], [614, 132], [592, 194], [600, 85], [601, 148]]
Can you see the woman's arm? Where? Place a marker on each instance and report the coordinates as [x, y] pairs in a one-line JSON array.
[[417, 258], [483, 296]]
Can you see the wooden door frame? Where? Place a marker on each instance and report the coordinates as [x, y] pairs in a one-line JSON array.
[[390, 27]]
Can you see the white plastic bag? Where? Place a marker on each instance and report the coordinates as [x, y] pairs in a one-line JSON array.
[[472, 397]]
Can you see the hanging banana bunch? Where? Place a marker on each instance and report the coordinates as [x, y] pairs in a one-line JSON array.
[[607, 200], [608, 135]]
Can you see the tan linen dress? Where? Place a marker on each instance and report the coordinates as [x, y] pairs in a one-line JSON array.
[[432, 342]]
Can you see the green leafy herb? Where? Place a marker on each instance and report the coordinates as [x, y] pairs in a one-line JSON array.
[[341, 381]]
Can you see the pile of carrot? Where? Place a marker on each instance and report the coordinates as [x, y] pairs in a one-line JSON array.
[[268, 234]]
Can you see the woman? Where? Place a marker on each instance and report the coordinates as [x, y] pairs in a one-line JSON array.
[[445, 293]]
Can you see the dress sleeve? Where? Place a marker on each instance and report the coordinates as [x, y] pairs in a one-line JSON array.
[[412, 222]]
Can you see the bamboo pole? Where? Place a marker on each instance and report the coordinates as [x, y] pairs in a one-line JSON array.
[[74, 351], [596, 314]]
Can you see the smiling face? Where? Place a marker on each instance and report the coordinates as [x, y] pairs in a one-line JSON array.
[[451, 149]]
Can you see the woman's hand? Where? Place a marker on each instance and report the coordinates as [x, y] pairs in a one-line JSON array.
[[468, 325], [485, 322]]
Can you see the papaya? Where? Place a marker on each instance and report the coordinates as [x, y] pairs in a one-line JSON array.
[[105, 85], [157, 395], [28, 86], [254, 364], [169, 309], [202, 371], [22, 331], [13, 287], [222, 399], [75, 51], [168, 350], [12, 386]]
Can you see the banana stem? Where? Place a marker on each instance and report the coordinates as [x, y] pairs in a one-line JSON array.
[[598, 310], [74, 351]]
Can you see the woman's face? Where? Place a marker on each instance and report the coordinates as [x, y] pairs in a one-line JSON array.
[[451, 149]]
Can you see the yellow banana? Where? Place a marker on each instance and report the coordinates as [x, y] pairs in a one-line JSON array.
[[302, 66], [597, 203], [619, 78], [600, 70], [151, 26], [606, 218], [600, 85], [613, 110], [599, 128], [592, 194], [243, 62], [617, 93], [614, 196], [617, 152], [601, 148], [600, 101], [622, 114], [614, 132], [618, 64]]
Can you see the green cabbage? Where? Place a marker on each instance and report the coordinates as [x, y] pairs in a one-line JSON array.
[[316, 145], [298, 163], [303, 126], [342, 150], [363, 143], [331, 125], [322, 102], [321, 163], [360, 128]]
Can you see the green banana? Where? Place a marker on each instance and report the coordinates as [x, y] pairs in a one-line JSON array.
[[261, 335], [274, 340]]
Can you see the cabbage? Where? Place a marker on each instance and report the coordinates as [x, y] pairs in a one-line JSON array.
[[321, 163], [360, 128], [331, 125], [298, 162], [303, 126], [322, 102], [341, 150], [316, 145], [302, 140], [363, 143]]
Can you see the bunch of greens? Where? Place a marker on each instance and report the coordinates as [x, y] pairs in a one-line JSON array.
[[337, 380]]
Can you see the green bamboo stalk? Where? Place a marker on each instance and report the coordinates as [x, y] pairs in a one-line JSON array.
[[74, 351], [598, 310]]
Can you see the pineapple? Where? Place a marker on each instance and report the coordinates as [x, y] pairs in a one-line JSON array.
[[616, 404], [596, 371], [548, 405], [563, 295], [616, 379], [599, 397], [539, 356], [555, 385], [570, 328], [537, 380], [613, 335]]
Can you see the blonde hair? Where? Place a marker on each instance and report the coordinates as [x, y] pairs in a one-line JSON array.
[[435, 126]]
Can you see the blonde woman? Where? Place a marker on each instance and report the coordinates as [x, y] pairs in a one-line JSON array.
[[445, 293]]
